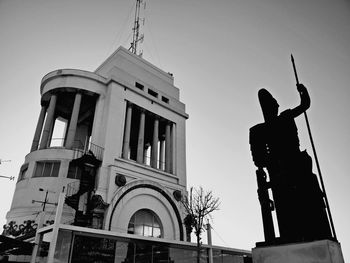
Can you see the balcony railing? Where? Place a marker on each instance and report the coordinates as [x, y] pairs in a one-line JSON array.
[[79, 147], [72, 188], [88, 147]]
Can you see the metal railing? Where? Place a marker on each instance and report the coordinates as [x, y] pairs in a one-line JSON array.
[[96, 150], [79, 147], [89, 147], [72, 188]]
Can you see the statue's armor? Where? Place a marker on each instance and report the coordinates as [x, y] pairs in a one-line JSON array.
[[297, 196], [275, 140]]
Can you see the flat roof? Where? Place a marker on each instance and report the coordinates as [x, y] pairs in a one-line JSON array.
[[113, 234]]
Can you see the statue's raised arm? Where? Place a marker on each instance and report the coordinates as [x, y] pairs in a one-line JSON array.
[[304, 101]]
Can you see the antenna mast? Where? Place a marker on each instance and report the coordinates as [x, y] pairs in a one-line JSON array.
[[137, 37]]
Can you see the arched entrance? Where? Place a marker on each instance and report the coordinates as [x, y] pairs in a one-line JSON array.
[[140, 195], [145, 223]]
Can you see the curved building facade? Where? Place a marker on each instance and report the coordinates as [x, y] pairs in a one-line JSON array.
[[114, 140]]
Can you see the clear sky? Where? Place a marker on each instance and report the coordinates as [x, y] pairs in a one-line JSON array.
[[221, 53]]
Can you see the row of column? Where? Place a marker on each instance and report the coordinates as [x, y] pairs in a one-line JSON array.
[[157, 146], [45, 133]]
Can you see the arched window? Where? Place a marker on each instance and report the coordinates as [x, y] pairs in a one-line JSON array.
[[145, 223]]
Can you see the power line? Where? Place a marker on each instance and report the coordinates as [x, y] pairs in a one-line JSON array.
[[156, 56], [8, 177], [4, 161], [220, 237], [118, 36], [4, 176]]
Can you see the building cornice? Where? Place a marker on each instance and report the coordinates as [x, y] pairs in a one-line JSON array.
[[101, 80], [71, 72], [124, 52], [152, 99]]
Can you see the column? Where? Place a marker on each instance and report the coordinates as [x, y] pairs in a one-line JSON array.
[[154, 153], [73, 121], [168, 148], [145, 154], [48, 122], [49, 138], [161, 154], [141, 138], [126, 142], [172, 148], [38, 129]]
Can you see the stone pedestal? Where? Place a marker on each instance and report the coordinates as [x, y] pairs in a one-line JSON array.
[[322, 251]]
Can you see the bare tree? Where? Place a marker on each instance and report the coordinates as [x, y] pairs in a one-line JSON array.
[[198, 205]]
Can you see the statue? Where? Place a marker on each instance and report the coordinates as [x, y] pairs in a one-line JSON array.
[[297, 197]]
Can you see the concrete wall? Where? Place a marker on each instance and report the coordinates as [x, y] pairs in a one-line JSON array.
[[322, 251], [27, 189], [139, 69]]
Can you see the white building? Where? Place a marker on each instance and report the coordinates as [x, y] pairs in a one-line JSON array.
[[121, 157]]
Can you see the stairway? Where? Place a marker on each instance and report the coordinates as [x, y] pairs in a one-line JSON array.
[[79, 193]]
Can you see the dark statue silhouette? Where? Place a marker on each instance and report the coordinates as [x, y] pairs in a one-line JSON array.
[[297, 197]]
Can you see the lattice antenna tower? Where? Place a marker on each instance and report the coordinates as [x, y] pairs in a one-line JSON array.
[[137, 37]]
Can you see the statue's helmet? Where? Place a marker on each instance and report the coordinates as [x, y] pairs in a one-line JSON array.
[[268, 104]]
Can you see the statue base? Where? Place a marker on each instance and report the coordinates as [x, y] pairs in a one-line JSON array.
[[321, 251]]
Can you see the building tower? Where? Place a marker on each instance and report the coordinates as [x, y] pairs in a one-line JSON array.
[[121, 157]]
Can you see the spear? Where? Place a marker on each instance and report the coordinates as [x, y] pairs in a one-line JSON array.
[[315, 156]]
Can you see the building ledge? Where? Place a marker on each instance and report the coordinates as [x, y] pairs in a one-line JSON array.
[[148, 171], [177, 107]]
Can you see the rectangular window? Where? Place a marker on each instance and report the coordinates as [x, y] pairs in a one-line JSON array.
[[152, 93], [47, 169], [39, 169], [94, 249], [63, 245], [165, 99], [139, 86]]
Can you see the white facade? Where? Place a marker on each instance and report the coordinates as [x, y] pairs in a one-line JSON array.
[[123, 147]]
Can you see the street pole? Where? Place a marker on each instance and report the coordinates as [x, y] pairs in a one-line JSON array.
[[37, 237], [208, 228], [45, 200], [40, 223], [56, 226]]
